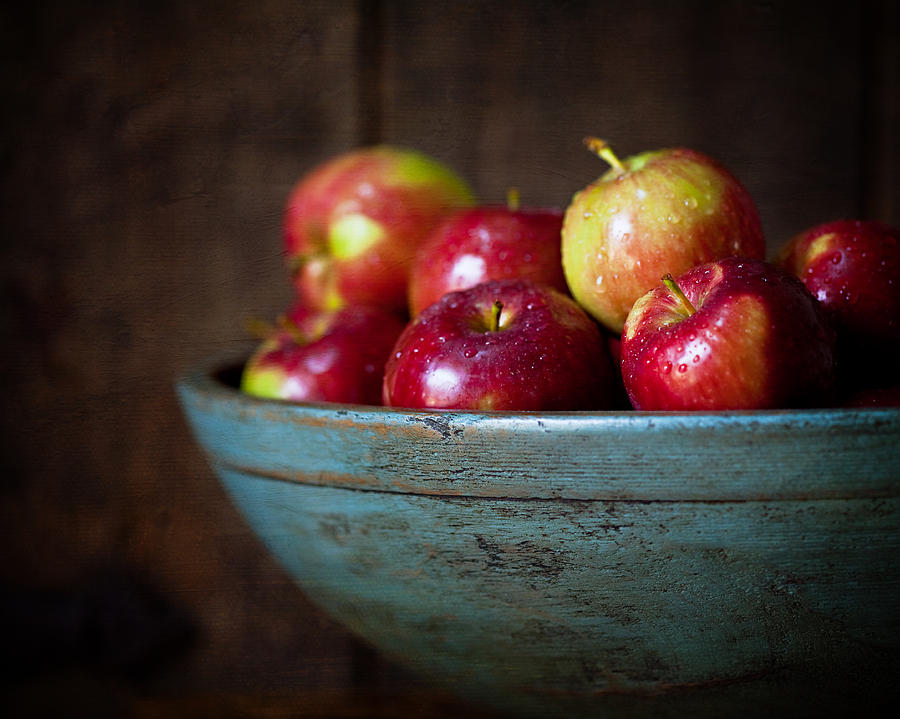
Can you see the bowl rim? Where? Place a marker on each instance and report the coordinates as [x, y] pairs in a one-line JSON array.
[[772, 455], [208, 377]]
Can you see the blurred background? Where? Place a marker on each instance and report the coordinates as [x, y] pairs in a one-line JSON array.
[[146, 151]]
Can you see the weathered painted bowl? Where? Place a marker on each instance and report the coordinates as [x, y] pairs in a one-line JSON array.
[[580, 564]]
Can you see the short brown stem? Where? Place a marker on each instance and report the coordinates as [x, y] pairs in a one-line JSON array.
[[291, 328], [512, 199], [602, 149], [259, 329]]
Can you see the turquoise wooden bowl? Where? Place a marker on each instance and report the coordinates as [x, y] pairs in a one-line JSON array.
[[579, 564]]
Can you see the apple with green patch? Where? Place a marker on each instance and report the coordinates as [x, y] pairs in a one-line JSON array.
[[352, 224], [655, 212], [502, 345], [734, 334], [312, 356], [484, 243]]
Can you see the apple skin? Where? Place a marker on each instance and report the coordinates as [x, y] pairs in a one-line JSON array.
[[325, 356], [660, 212], [352, 224], [487, 243], [545, 354], [853, 268], [756, 340]]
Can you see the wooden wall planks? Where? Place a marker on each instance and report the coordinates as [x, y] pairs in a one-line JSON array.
[[145, 154], [775, 92]]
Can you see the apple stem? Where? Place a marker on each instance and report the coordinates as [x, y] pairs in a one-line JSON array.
[[259, 329], [512, 199], [602, 149], [296, 334], [496, 309], [673, 287]]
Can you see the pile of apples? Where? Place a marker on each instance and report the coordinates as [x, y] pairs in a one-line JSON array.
[[651, 291]]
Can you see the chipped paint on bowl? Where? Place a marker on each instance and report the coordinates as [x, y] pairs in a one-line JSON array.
[[585, 563]]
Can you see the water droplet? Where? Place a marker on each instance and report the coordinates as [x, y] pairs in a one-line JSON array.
[[682, 368], [470, 352], [599, 280], [674, 218], [696, 359], [441, 338], [836, 257], [667, 367], [690, 202]]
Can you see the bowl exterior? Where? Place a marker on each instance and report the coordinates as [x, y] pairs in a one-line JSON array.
[[583, 564]]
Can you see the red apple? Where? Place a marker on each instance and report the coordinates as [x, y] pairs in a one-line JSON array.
[[653, 213], [324, 356], [352, 224], [487, 243], [501, 345], [853, 268], [732, 334]]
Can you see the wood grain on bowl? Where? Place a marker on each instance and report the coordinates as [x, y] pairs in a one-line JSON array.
[[575, 562]]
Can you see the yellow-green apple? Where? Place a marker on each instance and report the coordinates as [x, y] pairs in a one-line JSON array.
[[352, 224], [853, 268], [501, 345], [314, 356], [655, 212], [736, 333], [487, 243]]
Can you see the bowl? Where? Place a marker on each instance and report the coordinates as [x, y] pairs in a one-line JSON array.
[[585, 563]]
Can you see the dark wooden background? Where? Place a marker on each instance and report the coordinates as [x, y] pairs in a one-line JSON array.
[[146, 150]]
